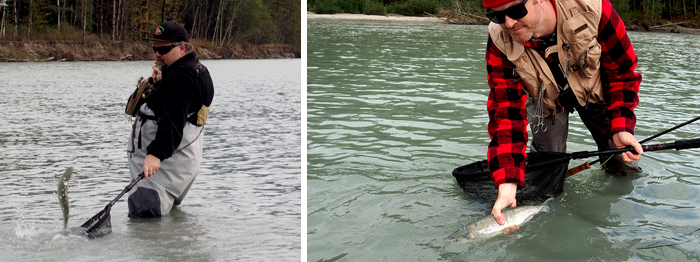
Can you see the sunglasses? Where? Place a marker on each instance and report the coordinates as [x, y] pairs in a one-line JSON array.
[[166, 49], [516, 12]]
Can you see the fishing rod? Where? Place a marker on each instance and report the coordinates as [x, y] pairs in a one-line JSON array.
[[588, 165], [677, 145]]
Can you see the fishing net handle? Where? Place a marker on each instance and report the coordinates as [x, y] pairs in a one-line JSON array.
[[126, 189], [577, 169]]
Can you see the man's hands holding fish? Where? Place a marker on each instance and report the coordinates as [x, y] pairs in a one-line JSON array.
[[506, 197], [506, 191]]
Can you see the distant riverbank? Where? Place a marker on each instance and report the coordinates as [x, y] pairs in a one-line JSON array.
[[374, 18], [39, 50], [632, 25]]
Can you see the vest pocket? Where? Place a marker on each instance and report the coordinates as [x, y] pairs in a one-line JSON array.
[[528, 80], [589, 60], [580, 29]]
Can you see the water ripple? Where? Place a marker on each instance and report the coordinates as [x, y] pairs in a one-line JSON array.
[[393, 108], [71, 114]]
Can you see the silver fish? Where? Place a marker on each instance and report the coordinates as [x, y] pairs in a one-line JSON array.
[[63, 195], [487, 226]]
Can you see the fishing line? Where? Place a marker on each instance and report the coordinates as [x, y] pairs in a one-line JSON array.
[[668, 245], [685, 138], [670, 129], [596, 171], [696, 230]]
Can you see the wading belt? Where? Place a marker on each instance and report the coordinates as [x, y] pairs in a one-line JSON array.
[[143, 118]]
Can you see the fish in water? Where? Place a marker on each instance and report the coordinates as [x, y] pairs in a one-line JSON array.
[[63, 195], [488, 227]]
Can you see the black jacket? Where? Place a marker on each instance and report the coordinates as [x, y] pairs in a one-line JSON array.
[[180, 93]]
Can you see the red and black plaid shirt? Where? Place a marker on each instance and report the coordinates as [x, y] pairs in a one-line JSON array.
[[506, 103]]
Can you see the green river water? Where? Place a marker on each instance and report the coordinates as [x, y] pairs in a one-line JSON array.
[[393, 108]]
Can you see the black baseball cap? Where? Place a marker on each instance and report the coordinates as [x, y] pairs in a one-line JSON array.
[[169, 32]]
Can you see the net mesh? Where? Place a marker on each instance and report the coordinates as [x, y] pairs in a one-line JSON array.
[[99, 225], [545, 173]]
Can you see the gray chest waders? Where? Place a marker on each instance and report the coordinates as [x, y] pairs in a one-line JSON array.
[[155, 196]]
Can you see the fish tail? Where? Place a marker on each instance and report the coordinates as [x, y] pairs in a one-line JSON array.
[[548, 205]]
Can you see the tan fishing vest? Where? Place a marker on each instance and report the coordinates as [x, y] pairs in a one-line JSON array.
[[577, 31]]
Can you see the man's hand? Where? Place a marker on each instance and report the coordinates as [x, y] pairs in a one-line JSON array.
[[624, 139], [151, 164], [157, 75], [506, 197]]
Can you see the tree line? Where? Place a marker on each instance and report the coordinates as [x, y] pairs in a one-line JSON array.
[[643, 10], [223, 22], [654, 10]]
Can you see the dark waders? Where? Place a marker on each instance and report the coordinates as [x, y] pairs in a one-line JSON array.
[[595, 119]]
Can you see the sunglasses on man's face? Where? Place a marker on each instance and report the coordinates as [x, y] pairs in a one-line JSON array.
[[165, 49], [516, 12]]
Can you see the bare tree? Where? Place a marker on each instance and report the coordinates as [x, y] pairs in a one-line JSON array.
[[2, 24], [219, 17], [31, 11], [195, 19], [58, 12], [235, 7], [15, 14], [114, 18], [84, 18]]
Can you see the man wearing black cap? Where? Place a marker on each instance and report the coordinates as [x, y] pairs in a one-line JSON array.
[[167, 137]]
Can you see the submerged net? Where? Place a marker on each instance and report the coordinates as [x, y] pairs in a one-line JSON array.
[[545, 173], [99, 225]]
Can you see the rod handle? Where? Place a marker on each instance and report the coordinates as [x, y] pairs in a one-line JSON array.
[[577, 169]]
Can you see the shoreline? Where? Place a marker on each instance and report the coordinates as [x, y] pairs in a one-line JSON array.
[[634, 25], [64, 50]]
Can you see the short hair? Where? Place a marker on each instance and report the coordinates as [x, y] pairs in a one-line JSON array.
[[188, 46]]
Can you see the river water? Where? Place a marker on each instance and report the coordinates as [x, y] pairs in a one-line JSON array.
[[393, 108], [244, 205]]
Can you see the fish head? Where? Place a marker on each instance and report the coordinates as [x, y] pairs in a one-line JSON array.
[[462, 235], [68, 173]]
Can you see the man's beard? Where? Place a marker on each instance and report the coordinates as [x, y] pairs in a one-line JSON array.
[[161, 65], [530, 34], [523, 39]]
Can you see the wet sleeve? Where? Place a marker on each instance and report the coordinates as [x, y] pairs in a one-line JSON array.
[[507, 125], [172, 120], [618, 62]]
